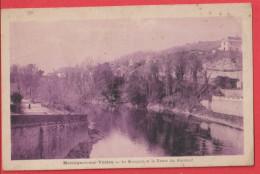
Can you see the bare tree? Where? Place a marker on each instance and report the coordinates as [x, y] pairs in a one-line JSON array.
[[205, 87], [27, 79]]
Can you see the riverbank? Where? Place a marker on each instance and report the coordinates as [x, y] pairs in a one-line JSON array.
[[203, 114], [197, 111], [83, 149], [130, 126]]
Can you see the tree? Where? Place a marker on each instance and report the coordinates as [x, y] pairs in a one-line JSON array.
[[168, 84], [206, 75], [154, 86], [89, 89], [195, 66], [168, 73], [30, 76], [106, 83], [112, 93], [136, 90], [26, 79], [102, 76], [54, 91], [180, 70], [15, 77], [16, 98]]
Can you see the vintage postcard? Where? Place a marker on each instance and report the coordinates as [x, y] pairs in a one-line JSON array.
[[127, 87]]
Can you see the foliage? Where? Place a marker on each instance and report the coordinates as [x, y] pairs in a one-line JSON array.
[[112, 93], [173, 75], [180, 67], [136, 90], [103, 76], [27, 79], [155, 87], [107, 83], [16, 98], [169, 78]]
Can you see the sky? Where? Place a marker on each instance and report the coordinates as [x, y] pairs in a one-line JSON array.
[[51, 45]]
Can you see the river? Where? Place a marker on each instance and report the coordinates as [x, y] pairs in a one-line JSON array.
[[139, 133], [128, 133]]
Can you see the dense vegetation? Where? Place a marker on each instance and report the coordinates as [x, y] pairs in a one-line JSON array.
[[176, 76]]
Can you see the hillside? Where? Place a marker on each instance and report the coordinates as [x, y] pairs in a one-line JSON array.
[[206, 51], [141, 56], [201, 46]]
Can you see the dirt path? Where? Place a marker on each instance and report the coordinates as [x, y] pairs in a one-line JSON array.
[[30, 108]]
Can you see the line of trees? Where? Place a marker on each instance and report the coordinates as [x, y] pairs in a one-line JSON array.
[[27, 79], [173, 77], [154, 85]]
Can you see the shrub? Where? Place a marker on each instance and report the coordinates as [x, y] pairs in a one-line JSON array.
[[16, 98]]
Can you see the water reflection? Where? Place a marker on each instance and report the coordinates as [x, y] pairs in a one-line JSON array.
[[118, 144], [162, 134]]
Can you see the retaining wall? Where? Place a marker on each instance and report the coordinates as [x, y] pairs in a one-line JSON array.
[[225, 105]]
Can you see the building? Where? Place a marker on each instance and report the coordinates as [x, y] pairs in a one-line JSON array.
[[228, 76], [61, 74], [225, 68], [231, 44], [235, 77], [131, 63]]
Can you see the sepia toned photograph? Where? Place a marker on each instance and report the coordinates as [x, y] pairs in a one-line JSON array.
[[123, 91]]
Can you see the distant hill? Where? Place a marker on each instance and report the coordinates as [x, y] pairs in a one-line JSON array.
[[138, 56], [206, 51], [202, 46]]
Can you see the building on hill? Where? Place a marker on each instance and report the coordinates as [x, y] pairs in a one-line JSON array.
[[131, 63], [231, 44], [61, 74]]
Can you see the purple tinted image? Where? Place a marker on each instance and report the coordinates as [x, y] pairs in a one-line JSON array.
[[126, 88]]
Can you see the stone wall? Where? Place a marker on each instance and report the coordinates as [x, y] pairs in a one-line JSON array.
[[225, 105], [46, 137]]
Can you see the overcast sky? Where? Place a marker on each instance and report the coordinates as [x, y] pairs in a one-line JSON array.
[[51, 45]]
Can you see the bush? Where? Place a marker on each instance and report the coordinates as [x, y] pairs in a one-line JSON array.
[[16, 98]]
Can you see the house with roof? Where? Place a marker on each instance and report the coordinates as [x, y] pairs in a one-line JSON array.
[[231, 44]]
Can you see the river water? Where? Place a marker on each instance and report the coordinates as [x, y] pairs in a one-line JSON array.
[[126, 133], [139, 133]]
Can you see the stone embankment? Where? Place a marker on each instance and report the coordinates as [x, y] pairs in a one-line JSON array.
[[204, 114]]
